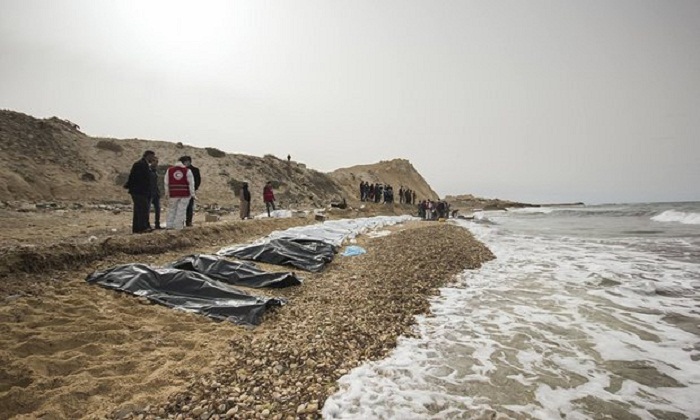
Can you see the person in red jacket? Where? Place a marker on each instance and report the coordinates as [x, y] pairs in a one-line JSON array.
[[179, 187], [268, 197]]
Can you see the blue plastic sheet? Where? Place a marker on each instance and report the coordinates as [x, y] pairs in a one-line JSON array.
[[353, 250]]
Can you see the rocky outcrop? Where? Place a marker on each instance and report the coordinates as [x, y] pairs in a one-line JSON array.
[[468, 202]]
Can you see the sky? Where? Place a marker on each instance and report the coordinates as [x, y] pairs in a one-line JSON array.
[[537, 101]]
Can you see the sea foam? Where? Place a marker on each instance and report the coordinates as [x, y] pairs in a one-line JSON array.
[[554, 327], [678, 217]]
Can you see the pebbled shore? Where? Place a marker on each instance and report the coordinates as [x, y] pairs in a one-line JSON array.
[[351, 313], [71, 350]]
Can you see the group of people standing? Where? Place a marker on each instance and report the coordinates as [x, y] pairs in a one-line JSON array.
[[385, 193], [432, 210], [181, 181]]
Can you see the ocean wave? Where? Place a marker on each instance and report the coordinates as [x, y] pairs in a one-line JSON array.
[[540, 210], [678, 217], [585, 212]]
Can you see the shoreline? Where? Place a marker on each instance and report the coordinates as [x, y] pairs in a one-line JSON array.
[[114, 355]]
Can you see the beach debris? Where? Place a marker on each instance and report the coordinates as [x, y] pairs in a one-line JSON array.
[[353, 250], [379, 233], [211, 217]]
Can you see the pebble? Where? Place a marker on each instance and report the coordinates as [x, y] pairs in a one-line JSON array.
[[359, 320]]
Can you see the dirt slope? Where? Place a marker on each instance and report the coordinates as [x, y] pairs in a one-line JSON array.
[[397, 173], [52, 160]]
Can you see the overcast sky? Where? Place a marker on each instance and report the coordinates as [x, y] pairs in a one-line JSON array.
[[539, 101]]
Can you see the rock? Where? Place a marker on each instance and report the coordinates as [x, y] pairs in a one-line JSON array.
[[27, 207]]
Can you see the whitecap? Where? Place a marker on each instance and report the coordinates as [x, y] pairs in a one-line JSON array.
[[678, 217]]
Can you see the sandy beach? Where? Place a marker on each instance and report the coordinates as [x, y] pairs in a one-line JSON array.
[[74, 350]]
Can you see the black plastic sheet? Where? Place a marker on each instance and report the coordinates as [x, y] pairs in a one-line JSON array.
[[186, 290], [237, 273], [305, 254]]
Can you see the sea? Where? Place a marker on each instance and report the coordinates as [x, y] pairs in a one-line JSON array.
[[587, 312]]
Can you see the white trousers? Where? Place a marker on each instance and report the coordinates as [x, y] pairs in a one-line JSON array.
[[177, 211]]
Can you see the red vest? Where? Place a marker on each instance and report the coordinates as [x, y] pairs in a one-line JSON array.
[[268, 195], [177, 182]]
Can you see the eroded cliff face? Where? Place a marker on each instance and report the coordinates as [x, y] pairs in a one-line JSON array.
[[52, 160], [397, 172]]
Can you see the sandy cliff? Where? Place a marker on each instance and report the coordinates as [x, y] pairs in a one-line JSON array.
[[52, 160]]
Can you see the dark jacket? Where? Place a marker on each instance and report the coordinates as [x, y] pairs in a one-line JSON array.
[[245, 193], [197, 177], [139, 182], [154, 182]]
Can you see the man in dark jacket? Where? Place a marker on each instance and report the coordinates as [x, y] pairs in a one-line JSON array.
[[139, 186], [197, 181], [244, 197], [154, 199]]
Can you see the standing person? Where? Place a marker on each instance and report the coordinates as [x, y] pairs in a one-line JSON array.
[[179, 186], [268, 197], [429, 210], [154, 199], [245, 201], [197, 183], [139, 186]]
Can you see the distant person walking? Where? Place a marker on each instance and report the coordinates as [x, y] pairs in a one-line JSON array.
[[154, 198], [197, 183], [268, 197], [139, 186], [179, 185], [244, 197]]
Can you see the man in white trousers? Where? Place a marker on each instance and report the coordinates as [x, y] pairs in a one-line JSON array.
[[179, 186]]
